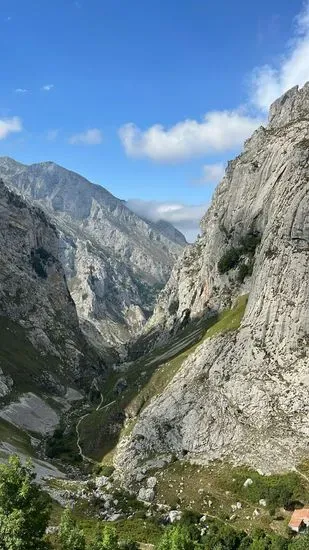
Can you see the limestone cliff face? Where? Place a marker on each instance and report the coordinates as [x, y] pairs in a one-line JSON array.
[[115, 261], [243, 395], [42, 346]]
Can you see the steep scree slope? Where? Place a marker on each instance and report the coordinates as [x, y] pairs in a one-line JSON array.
[[242, 395]]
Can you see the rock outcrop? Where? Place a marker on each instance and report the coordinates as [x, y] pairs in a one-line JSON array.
[[115, 262], [42, 347], [242, 395]]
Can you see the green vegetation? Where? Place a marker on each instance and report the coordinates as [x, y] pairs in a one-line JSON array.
[[229, 259], [279, 491], [215, 489], [71, 537], [100, 430], [236, 255], [103, 470], [16, 437], [24, 508], [25, 511], [62, 444]]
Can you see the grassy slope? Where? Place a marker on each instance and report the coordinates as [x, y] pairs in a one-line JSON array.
[[136, 528], [211, 490], [16, 437], [221, 486], [148, 377]]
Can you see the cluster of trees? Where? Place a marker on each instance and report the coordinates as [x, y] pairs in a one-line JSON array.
[[226, 538], [25, 512], [71, 537]]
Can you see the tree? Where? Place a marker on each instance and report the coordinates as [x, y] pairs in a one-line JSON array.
[[24, 508], [71, 537], [176, 538], [107, 539]]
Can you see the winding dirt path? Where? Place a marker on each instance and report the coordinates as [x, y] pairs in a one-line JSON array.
[[98, 408]]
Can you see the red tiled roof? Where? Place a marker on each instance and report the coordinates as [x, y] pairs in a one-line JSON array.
[[298, 516]]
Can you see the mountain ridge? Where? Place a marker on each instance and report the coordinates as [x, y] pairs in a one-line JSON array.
[[241, 396], [114, 260]]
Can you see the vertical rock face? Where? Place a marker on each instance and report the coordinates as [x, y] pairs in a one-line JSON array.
[[242, 395], [41, 342], [115, 261]]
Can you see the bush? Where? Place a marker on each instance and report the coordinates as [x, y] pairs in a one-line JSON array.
[[71, 537], [231, 257], [249, 242], [103, 470], [278, 490], [229, 260], [176, 538]]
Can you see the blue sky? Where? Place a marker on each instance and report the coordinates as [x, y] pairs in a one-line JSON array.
[[147, 98]]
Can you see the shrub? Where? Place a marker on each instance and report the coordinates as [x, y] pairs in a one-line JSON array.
[[71, 537], [249, 242], [231, 257], [103, 470], [176, 538], [229, 260]]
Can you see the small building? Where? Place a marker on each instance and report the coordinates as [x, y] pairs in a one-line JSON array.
[[299, 520]]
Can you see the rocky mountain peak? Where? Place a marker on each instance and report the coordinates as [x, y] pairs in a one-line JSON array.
[[290, 107], [242, 394], [115, 261]]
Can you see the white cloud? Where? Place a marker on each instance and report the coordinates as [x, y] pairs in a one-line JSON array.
[[185, 217], [92, 136], [9, 126], [47, 87], [212, 173], [52, 134], [218, 131], [271, 81], [21, 91]]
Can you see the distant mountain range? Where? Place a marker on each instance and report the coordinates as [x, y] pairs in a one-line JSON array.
[[115, 261]]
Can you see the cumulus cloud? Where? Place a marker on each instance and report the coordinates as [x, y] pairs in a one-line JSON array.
[[47, 87], [9, 126], [183, 216], [218, 131], [21, 91], [271, 81], [92, 136], [212, 173]]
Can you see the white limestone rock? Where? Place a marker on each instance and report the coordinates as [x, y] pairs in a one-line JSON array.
[[146, 495], [241, 396], [152, 482], [115, 261]]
